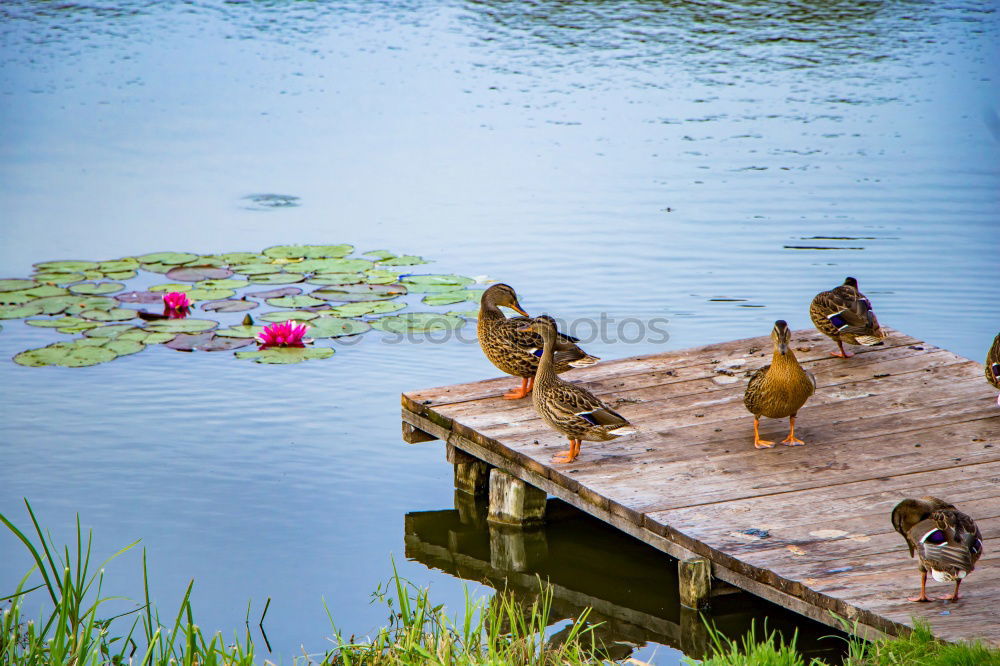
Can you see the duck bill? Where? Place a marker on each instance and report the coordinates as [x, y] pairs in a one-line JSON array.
[[525, 329], [516, 307], [782, 348]]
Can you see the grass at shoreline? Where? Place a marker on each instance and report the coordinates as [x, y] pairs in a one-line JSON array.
[[75, 631]]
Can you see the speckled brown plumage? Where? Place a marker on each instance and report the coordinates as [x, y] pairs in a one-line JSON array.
[[946, 541], [845, 315], [992, 365], [779, 389]]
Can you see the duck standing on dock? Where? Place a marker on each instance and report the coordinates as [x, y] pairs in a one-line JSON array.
[[946, 541], [846, 315], [515, 350], [993, 365], [568, 408], [779, 389]]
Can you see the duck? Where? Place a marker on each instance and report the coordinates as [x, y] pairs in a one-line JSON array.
[[845, 315], [568, 408], [515, 351], [992, 365], [946, 541], [780, 388]]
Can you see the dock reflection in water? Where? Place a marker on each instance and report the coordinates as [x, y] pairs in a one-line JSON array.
[[631, 588]]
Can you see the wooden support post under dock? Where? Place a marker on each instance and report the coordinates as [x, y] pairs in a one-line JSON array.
[[694, 578], [472, 475], [805, 527], [514, 502]]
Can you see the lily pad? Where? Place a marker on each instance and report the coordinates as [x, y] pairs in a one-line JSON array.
[[277, 278], [115, 314], [229, 305], [66, 266], [115, 265], [157, 268], [58, 278], [329, 266], [181, 325], [337, 278], [300, 301], [140, 297], [403, 260], [15, 297], [124, 347], [452, 297], [20, 311], [167, 258], [197, 273], [367, 307], [208, 342], [468, 314], [276, 293], [286, 354], [280, 316], [172, 286], [308, 251], [52, 305], [238, 258], [258, 269], [378, 255], [16, 284], [96, 288], [418, 322], [67, 354], [146, 337], [242, 331], [379, 277], [224, 283], [118, 276], [434, 283], [210, 294], [60, 322], [108, 331], [361, 292], [336, 327]]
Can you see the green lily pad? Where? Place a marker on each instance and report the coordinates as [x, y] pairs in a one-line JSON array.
[[67, 354], [66, 266], [83, 327], [227, 305], [418, 322], [468, 314], [118, 276], [258, 269], [80, 303], [276, 278], [61, 322], [337, 278], [107, 331], [276, 293], [172, 286], [124, 347], [433, 283], [140, 297], [224, 283], [366, 307], [286, 354], [58, 278], [300, 301], [378, 255], [361, 292], [210, 294], [15, 297], [114, 314], [238, 258], [115, 265], [452, 297], [16, 284], [20, 311], [167, 258], [193, 273], [280, 316], [381, 277], [25, 295], [403, 260], [157, 268], [336, 327], [95, 288], [146, 337], [308, 251], [181, 325], [242, 331], [329, 266]]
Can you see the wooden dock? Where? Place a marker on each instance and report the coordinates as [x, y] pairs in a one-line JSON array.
[[805, 527]]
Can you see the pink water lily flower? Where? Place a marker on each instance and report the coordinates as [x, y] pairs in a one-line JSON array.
[[288, 334], [176, 300]]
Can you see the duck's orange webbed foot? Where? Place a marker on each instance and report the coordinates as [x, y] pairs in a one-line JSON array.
[[842, 353], [954, 596], [517, 394], [570, 454], [923, 589], [759, 443], [792, 440], [920, 598]]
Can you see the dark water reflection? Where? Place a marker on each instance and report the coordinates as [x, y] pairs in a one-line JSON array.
[[668, 160]]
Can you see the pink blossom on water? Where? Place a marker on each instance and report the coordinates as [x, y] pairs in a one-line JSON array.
[[288, 334], [176, 300]]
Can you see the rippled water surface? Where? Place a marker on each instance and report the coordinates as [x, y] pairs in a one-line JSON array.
[[712, 163]]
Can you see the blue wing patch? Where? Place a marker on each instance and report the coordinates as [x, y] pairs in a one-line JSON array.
[[996, 370], [537, 353], [838, 321], [588, 417]]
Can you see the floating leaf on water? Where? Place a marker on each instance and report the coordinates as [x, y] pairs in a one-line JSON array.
[[194, 273], [115, 314], [337, 278], [468, 314], [378, 255], [286, 354], [208, 261], [168, 258], [336, 327], [308, 251], [452, 297], [120, 275], [404, 260], [66, 266], [127, 264], [329, 266], [16, 284], [300, 301], [208, 342], [224, 283], [81, 303], [95, 288], [108, 331], [79, 328], [140, 297], [172, 286], [58, 278], [418, 322], [361, 292], [433, 283], [237, 258], [181, 325], [258, 269], [210, 294], [157, 268], [379, 277], [242, 331], [15, 297], [67, 354], [229, 305], [276, 293], [60, 322], [146, 337], [367, 307], [277, 278], [285, 315], [124, 347], [20, 311]]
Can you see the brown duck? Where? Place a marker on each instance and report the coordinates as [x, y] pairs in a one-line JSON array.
[[946, 541], [845, 315], [572, 410], [517, 351], [779, 389], [992, 366]]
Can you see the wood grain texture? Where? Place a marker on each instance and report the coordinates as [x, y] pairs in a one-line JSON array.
[[806, 527]]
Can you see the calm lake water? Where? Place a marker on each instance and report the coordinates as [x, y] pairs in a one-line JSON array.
[[631, 159]]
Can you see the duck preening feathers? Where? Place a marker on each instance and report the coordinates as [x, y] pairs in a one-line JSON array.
[[845, 315], [992, 366]]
